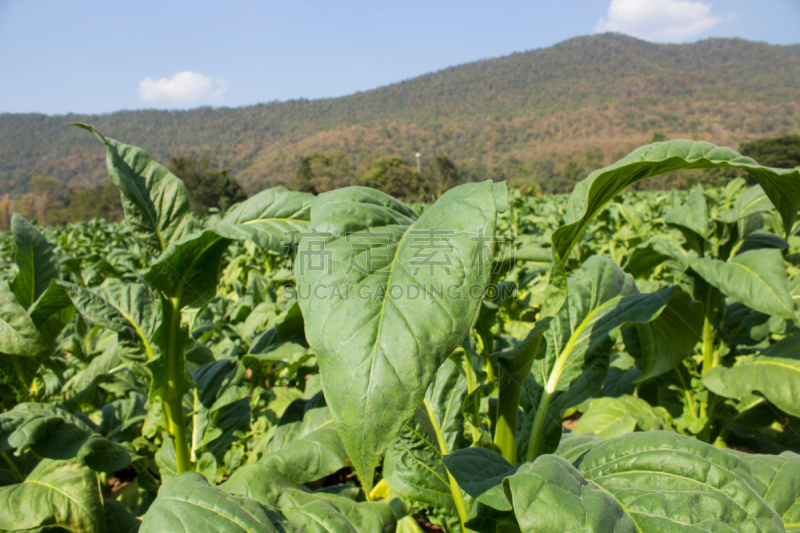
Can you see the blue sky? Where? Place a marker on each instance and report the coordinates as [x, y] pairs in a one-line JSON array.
[[102, 56]]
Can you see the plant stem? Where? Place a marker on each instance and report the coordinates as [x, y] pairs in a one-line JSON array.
[[512, 375], [173, 403], [705, 434], [476, 435], [689, 395], [505, 434], [708, 345], [709, 361], [489, 373], [455, 490], [538, 425], [708, 333], [195, 408]]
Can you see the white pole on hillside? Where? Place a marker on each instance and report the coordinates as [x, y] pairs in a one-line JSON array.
[[418, 156]]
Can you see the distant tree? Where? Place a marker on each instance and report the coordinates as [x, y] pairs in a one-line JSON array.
[[25, 206], [324, 171], [102, 201], [304, 178], [594, 158], [50, 194], [207, 187], [658, 137], [779, 152], [544, 173], [574, 171], [446, 175], [390, 174], [5, 212]]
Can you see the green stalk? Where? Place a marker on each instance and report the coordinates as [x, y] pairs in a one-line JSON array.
[[490, 379], [470, 376], [538, 425], [195, 408], [455, 490], [512, 375], [709, 362], [173, 403], [708, 333], [476, 435], [705, 433], [505, 434], [708, 345]]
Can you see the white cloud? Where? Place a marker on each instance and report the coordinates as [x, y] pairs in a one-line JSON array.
[[185, 86], [659, 20]]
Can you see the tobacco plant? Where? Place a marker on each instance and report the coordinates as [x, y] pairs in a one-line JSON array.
[[241, 367]]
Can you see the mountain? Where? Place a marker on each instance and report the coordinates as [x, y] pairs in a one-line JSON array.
[[500, 118]]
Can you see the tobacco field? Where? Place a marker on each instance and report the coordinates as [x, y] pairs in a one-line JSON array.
[[605, 361]]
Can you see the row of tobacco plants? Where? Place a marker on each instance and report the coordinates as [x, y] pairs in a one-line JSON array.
[[348, 363]]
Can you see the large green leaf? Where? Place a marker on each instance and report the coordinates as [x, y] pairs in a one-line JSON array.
[[650, 482], [118, 518], [18, 334], [305, 446], [317, 511], [751, 201], [57, 494], [782, 186], [55, 433], [775, 374], [480, 472], [155, 200], [52, 312], [663, 343], [382, 326], [414, 467], [692, 215], [273, 218], [590, 319], [188, 268], [220, 406], [756, 278], [612, 417], [668, 482], [574, 363], [122, 419], [573, 446], [131, 309], [36, 264], [187, 503], [761, 239], [647, 256], [140, 317], [778, 479], [551, 495]]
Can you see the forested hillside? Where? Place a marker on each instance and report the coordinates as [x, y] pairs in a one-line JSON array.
[[523, 117]]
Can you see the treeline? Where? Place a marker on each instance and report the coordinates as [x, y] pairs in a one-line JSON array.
[[210, 188], [52, 202], [325, 171]]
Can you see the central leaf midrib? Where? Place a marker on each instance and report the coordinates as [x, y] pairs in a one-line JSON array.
[[378, 334]]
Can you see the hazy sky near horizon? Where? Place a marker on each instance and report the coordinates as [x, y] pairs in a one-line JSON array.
[[100, 56]]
